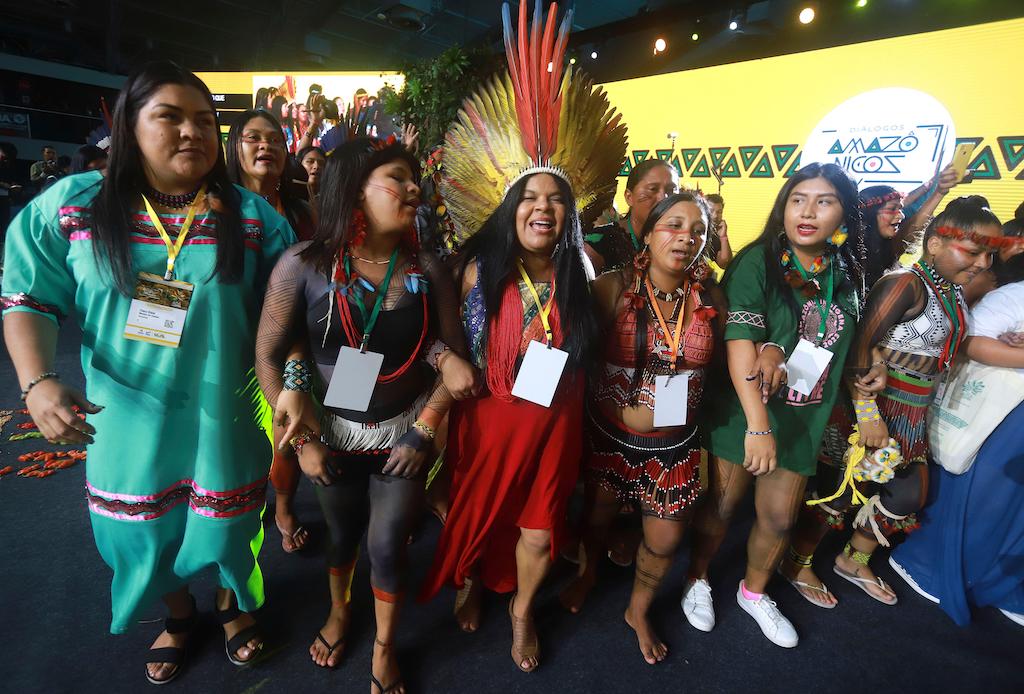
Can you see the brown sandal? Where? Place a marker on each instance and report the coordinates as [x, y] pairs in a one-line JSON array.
[[524, 639]]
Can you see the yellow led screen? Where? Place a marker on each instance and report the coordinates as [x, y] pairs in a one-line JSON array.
[[750, 120]]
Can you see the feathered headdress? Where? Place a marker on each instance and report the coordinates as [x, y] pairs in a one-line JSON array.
[[538, 117]]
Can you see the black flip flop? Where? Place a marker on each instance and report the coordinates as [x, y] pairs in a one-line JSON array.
[[330, 648]]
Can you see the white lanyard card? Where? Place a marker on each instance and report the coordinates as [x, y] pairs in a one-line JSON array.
[[806, 365], [540, 373], [671, 394], [354, 378]]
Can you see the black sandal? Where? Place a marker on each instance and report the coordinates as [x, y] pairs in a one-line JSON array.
[[240, 639], [171, 654], [330, 647]]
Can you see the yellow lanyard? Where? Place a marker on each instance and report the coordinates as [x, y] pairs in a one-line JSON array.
[[672, 340], [542, 311], [173, 249]]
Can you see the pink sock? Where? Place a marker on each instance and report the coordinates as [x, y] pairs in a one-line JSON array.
[[748, 595]]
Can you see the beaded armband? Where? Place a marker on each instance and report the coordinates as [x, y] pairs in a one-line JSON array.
[[298, 376], [866, 410]]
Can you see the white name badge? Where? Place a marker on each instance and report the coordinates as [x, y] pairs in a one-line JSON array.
[[540, 373], [671, 399], [354, 378], [806, 365], [158, 309]]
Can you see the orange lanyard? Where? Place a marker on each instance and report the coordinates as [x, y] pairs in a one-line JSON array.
[[672, 339]]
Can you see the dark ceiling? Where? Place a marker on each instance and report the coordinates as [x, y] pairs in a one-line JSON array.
[[114, 35]]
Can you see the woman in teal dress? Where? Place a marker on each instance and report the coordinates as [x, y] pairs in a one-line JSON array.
[[796, 290], [178, 463]]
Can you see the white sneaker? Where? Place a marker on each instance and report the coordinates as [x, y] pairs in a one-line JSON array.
[[774, 626], [909, 580], [697, 605], [1015, 617]]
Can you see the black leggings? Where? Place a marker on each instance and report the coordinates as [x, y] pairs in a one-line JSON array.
[[385, 507]]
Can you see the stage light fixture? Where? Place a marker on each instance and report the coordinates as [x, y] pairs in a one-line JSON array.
[[572, 60], [660, 45], [807, 15], [862, 3], [734, 25], [695, 36], [593, 55]]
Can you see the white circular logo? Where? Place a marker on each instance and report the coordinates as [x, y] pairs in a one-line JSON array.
[[894, 136]]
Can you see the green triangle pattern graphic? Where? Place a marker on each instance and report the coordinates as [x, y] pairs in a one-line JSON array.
[[794, 166], [639, 155], [718, 154], [676, 166], [689, 156], [701, 170], [1013, 150], [731, 168], [782, 154], [984, 166], [626, 167], [836, 148], [663, 154], [874, 146], [749, 154], [763, 168]]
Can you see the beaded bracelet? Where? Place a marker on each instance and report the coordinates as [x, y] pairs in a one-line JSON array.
[[301, 440], [298, 376], [36, 381], [434, 353], [771, 344], [427, 430], [766, 432], [866, 410]]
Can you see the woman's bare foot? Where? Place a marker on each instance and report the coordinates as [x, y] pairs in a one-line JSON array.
[[807, 584], [467, 605], [385, 670], [575, 594], [651, 647], [328, 647], [882, 593], [293, 535]]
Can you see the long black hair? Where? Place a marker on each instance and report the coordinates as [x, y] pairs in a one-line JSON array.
[[126, 180], [84, 156], [496, 248], [294, 210], [641, 351], [851, 255], [882, 253], [347, 169]]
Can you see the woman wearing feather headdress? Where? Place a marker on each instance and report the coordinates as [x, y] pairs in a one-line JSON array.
[[532, 154]]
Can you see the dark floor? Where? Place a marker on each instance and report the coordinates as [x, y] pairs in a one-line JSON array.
[[54, 614]]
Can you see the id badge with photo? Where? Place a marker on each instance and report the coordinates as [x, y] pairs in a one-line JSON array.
[[806, 365], [158, 310], [354, 378], [540, 373]]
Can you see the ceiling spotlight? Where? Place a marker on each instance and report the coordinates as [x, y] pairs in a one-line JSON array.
[[659, 45], [734, 25], [593, 55], [695, 36], [862, 3], [807, 15], [572, 61]]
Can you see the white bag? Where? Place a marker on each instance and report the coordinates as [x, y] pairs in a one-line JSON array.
[[972, 402]]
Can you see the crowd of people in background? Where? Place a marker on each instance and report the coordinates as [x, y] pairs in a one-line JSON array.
[[475, 325]]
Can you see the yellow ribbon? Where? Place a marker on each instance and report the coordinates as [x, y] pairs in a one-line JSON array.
[[855, 456], [542, 310], [173, 249]]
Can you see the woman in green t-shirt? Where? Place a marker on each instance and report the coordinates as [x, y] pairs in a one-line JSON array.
[[795, 292]]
